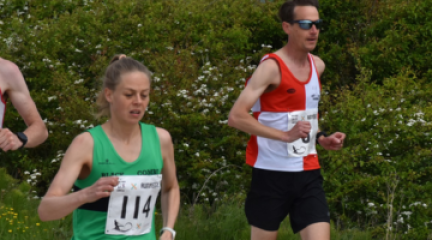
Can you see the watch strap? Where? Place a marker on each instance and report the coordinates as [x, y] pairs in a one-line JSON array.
[[168, 229], [23, 138], [322, 133]]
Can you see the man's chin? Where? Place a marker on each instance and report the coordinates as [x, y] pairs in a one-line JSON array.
[[310, 48]]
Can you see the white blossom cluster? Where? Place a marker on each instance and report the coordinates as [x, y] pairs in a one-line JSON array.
[[32, 179]]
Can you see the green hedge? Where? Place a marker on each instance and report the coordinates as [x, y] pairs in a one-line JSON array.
[[201, 52]]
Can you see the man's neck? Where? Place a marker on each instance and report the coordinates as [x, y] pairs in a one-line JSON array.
[[295, 55]]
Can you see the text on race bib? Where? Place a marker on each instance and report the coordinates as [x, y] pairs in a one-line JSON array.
[[131, 205], [303, 146]]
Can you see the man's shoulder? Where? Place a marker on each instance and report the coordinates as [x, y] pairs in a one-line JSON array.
[[316, 58], [269, 64], [8, 67], [319, 63], [9, 72]]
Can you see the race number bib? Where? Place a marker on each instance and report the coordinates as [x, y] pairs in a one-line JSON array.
[[131, 205], [303, 146]]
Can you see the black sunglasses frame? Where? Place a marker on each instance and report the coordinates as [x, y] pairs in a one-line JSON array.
[[307, 24]]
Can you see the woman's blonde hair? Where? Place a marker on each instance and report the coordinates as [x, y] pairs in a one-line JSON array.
[[119, 65]]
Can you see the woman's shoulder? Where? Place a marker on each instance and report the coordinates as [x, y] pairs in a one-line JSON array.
[[164, 135], [84, 139]]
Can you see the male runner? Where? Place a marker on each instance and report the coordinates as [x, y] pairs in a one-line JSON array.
[[283, 93], [13, 86]]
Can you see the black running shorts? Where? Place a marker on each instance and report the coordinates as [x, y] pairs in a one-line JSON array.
[[274, 195]]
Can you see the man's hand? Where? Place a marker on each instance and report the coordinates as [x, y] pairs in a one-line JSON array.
[[100, 189], [332, 142], [300, 130], [8, 140]]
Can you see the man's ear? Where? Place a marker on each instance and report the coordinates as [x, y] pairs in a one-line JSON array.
[[287, 27]]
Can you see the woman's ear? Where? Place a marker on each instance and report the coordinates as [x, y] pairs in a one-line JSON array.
[[108, 94]]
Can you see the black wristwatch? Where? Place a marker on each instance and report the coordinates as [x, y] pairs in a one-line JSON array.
[[23, 138], [322, 133]]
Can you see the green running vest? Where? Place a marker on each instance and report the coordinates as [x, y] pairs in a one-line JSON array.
[[89, 219]]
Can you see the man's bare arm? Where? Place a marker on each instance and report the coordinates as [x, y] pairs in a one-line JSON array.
[[267, 74], [19, 95]]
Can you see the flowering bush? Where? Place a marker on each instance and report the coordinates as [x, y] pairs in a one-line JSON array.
[[200, 53], [381, 177]]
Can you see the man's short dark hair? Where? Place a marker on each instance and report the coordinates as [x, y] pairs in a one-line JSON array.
[[286, 11]]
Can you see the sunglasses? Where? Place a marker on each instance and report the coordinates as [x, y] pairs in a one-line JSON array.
[[307, 24]]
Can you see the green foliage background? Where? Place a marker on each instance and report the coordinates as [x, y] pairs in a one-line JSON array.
[[375, 89]]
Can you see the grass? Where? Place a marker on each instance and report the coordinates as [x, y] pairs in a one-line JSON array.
[[226, 222], [19, 219]]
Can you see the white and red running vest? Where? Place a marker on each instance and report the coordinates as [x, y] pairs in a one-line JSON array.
[[281, 108], [2, 108]]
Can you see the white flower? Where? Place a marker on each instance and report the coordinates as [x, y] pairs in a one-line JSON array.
[[52, 98], [185, 145], [408, 213], [79, 81], [223, 121], [27, 172], [410, 122], [371, 204], [197, 154], [139, 25], [78, 51]]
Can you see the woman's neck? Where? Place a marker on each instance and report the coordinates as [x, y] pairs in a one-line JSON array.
[[123, 132]]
